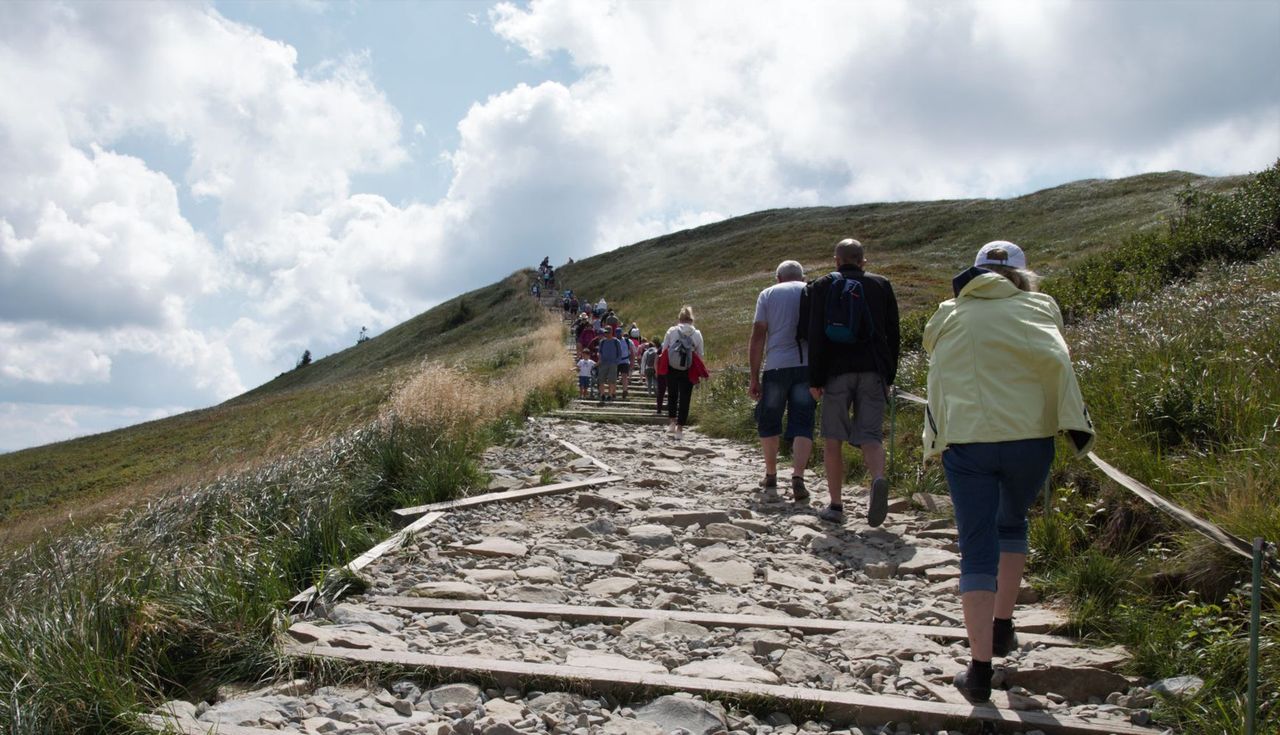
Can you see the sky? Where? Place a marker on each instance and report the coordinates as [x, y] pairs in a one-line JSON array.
[[191, 194]]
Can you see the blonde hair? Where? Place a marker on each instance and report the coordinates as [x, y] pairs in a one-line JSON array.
[[686, 314], [1024, 279]]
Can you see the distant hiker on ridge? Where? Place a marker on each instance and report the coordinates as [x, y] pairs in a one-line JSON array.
[[786, 377], [853, 359], [1001, 386]]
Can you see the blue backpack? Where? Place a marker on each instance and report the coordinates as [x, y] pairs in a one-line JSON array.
[[847, 318]]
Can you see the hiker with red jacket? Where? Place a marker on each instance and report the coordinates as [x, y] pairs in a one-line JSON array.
[[682, 352], [853, 359]]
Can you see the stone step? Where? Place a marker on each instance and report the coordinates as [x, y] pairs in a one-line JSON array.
[[609, 417]]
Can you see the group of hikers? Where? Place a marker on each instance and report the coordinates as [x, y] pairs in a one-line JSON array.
[[1000, 388], [608, 354]]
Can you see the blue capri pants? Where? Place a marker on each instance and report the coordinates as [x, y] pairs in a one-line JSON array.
[[992, 486]]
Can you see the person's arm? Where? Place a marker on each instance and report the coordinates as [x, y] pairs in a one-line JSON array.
[[817, 340], [755, 356]]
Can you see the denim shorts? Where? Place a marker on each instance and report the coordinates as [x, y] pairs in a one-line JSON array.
[[782, 388], [584, 381], [993, 484]]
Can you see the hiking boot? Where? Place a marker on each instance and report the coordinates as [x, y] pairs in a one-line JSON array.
[[832, 514], [770, 482], [878, 507], [1004, 640], [975, 682], [799, 493]]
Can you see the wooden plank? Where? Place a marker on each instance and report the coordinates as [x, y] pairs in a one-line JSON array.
[[360, 562], [584, 613], [579, 451], [485, 498], [841, 708], [1223, 539], [185, 726]]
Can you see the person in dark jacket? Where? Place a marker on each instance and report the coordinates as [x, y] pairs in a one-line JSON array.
[[852, 380]]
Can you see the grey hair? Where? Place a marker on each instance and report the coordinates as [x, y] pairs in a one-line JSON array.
[[789, 270], [1024, 279], [849, 252]]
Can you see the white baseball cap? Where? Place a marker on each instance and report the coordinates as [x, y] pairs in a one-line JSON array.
[[1014, 257]]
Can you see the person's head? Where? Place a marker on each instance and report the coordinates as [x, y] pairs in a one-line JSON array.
[[686, 314], [789, 270], [850, 252], [1008, 260]]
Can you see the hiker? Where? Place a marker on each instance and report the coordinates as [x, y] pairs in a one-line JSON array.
[[601, 307], [587, 334], [681, 360], [649, 368], [536, 290], [785, 384], [585, 365], [612, 354], [1001, 386], [625, 361], [634, 331], [853, 359]]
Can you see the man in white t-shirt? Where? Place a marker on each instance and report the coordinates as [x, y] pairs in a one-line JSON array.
[[785, 384]]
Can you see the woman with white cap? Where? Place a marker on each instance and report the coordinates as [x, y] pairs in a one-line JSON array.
[[1001, 387]]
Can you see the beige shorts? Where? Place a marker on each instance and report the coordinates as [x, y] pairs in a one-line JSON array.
[[853, 408]]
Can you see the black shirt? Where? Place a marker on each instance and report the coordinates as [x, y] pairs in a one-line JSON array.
[[879, 354]]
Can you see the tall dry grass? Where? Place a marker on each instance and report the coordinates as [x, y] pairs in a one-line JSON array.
[[455, 398]]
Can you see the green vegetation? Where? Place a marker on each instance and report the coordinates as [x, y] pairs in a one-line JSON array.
[[719, 268], [95, 475]]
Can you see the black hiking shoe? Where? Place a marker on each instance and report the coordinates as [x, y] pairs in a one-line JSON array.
[[799, 493], [975, 682], [1004, 639], [770, 482], [878, 508]]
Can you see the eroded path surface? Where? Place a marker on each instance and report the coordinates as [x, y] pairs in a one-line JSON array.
[[686, 529]]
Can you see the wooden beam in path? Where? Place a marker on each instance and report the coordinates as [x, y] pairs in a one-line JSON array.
[[395, 541], [485, 498], [579, 451], [584, 614], [838, 707]]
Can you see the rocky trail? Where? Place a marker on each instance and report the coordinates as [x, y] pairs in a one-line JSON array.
[[665, 591]]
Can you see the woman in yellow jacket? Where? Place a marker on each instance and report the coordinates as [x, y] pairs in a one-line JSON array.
[[1001, 386]]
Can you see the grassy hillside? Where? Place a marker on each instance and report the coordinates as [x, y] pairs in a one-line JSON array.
[[93, 475], [719, 268]]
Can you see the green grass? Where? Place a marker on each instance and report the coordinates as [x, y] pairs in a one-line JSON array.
[[719, 268], [92, 476]]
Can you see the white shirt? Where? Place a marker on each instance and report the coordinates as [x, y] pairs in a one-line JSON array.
[[690, 331], [584, 367], [778, 308]]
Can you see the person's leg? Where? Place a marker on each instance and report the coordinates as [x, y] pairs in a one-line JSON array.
[[686, 397], [974, 481], [769, 420], [800, 409], [834, 465], [661, 382], [673, 399], [1026, 466], [873, 458]]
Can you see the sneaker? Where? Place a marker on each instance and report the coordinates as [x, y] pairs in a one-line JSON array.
[[679, 434], [975, 683], [799, 493], [878, 508], [1004, 640], [770, 482], [832, 514]]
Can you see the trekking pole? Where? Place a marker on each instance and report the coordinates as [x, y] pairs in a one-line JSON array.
[[1255, 613]]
